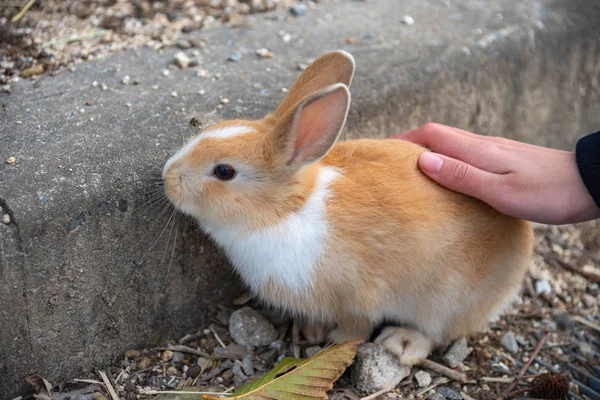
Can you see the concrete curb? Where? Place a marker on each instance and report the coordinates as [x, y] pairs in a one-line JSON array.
[[78, 285]]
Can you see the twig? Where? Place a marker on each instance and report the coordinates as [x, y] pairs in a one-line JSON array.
[[559, 263], [88, 381], [296, 338], [587, 323], [438, 382], [185, 349], [23, 11], [108, 385], [491, 379], [378, 393], [153, 392], [218, 338], [75, 38], [440, 369], [538, 347]]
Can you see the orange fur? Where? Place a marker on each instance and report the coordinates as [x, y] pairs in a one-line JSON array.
[[399, 246]]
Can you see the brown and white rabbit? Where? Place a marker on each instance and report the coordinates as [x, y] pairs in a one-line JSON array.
[[350, 233]]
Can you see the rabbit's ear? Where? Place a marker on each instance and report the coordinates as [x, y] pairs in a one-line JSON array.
[[308, 131], [329, 69]]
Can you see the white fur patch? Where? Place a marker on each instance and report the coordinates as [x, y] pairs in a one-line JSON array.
[[288, 252], [224, 133]]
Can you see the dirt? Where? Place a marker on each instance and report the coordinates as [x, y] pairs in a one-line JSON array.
[[60, 34], [210, 360]]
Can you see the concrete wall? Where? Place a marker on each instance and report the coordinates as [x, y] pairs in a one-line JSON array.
[[78, 283]]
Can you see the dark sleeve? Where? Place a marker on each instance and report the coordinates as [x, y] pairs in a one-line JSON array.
[[587, 153]]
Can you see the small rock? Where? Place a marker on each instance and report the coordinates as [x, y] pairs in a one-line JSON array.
[[184, 44], [174, 94], [235, 56], [299, 10], [95, 83], [103, 86], [457, 353], [368, 36], [35, 70], [129, 386], [376, 368], [247, 365], [550, 324], [589, 300], [436, 396], [132, 354], [586, 350], [172, 371], [521, 340], [98, 396], [351, 40], [248, 328], [224, 101], [193, 371], [312, 351], [448, 394], [423, 378], [144, 363], [166, 72], [564, 321], [11, 160], [408, 20], [196, 122], [167, 355], [126, 80], [6, 219], [178, 356], [509, 342], [302, 66], [286, 38], [182, 60], [264, 53], [202, 92], [543, 286]]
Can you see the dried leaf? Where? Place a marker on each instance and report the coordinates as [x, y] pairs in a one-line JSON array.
[[43, 388], [300, 379]]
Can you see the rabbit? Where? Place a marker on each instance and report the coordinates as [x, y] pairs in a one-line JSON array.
[[347, 234]]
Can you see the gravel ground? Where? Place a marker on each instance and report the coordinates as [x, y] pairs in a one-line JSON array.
[[558, 311], [54, 35]]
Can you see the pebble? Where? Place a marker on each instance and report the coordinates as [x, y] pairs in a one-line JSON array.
[[509, 342], [564, 321], [247, 365], [264, 53], [586, 350], [375, 368], [154, 87], [351, 40], [131, 354], [589, 300], [103, 86], [172, 371], [167, 355], [423, 378], [174, 93], [184, 44], [312, 351], [126, 80], [98, 396], [166, 72], [144, 363], [128, 105], [178, 356], [543, 286], [32, 71], [457, 353], [182, 60], [436, 396], [11, 160], [408, 20], [299, 10], [81, 110], [193, 371], [448, 394], [286, 38], [235, 56], [302, 66], [6, 219], [224, 101], [250, 329], [95, 83], [19, 122], [551, 325], [202, 92]]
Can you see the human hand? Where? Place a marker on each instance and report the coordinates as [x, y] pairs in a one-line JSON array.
[[521, 180]]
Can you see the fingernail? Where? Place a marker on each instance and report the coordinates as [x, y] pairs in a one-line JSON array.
[[430, 162]]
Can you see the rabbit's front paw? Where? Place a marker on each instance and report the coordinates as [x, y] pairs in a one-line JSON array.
[[410, 345], [347, 332]]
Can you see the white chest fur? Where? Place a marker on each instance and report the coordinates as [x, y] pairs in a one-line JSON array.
[[286, 253]]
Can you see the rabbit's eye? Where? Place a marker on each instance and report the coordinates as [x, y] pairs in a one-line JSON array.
[[224, 172]]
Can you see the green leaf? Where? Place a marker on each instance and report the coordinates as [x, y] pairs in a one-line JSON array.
[[300, 379]]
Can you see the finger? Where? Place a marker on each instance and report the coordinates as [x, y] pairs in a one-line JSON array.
[[458, 176], [466, 147]]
